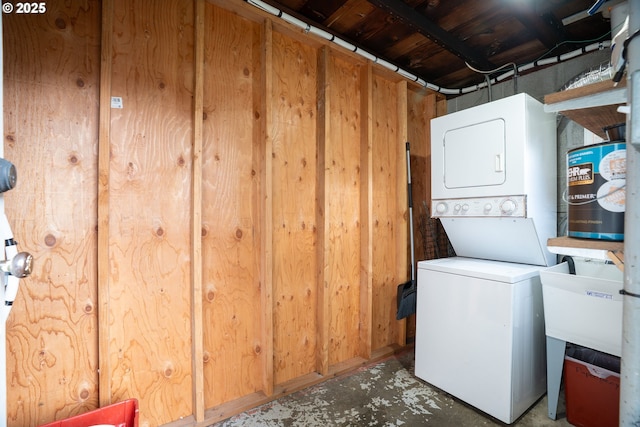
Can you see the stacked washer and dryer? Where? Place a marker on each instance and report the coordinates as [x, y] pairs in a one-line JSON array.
[[480, 323]]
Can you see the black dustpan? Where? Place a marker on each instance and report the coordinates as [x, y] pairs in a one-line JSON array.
[[407, 290], [406, 299]]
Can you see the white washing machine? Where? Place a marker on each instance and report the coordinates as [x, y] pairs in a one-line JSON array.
[[479, 318], [480, 333]]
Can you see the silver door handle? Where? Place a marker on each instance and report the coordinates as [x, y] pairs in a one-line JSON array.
[[21, 265]]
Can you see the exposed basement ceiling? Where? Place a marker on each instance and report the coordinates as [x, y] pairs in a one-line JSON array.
[[440, 41]]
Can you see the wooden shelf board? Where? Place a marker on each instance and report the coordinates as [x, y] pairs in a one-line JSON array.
[[573, 242], [596, 91], [587, 248], [593, 106]]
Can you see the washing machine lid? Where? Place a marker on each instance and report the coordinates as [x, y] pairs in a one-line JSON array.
[[501, 239], [497, 271]]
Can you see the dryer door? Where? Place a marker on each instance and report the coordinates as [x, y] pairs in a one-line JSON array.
[[474, 155]]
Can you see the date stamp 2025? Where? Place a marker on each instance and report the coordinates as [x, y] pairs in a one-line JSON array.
[[24, 7]]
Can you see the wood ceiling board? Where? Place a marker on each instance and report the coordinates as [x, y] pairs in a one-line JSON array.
[[545, 27], [433, 31], [462, 14], [461, 78], [437, 9], [503, 35], [431, 58], [376, 21], [292, 4], [526, 52], [409, 45], [384, 41], [320, 11], [349, 15]]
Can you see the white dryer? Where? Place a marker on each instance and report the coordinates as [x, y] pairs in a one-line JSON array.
[[493, 180]]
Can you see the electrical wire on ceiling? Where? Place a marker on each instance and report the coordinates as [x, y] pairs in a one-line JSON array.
[[487, 73], [308, 28], [495, 70]]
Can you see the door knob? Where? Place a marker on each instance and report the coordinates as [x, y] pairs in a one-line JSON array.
[[20, 265]]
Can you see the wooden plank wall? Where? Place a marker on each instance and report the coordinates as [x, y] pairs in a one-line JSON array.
[[149, 342], [342, 208], [294, 202], [51, 81], [230, 229], [387, 261], [274, 158]]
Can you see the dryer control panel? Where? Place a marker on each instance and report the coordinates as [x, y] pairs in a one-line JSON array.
[[510, 206]]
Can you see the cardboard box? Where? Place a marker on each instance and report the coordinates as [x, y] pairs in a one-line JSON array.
[[592, 394]]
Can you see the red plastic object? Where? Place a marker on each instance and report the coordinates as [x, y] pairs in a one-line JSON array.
[[122, 414], [592, 394]]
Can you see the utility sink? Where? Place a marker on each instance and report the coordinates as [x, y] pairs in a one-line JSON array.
[[585, 308]]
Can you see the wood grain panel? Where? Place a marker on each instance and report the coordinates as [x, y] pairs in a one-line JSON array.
[[263, 147], [597, 118], [197, 323], [366, 209], [51, 79], [342, 166], [385, 175], [403, 258], [150, 189], [231, 288], [294, 208], [421, 108], [104, 164], [431, 239], [324, 89], [351, 12]]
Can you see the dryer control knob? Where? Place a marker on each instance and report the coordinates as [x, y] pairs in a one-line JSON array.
[[508, 207], [487, 207], [456, 208], [465, 207], [441, 208]]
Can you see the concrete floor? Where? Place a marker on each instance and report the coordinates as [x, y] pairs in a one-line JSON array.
[[386, 393]]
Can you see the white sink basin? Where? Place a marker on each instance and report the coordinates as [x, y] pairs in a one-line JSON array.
[[585, 308]]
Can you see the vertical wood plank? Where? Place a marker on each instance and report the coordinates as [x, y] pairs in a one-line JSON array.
[[51, 111], [294, 207], [263, 153], [421, 109], [402, 240], [150, 337], [323, 131], [104, 162], [232, 292], [342, 210], [197, 354], [366, 210], [385, 216]]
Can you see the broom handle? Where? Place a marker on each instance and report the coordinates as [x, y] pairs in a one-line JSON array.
[[410, 198]]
